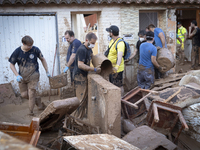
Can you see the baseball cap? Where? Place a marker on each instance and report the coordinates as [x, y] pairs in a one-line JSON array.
[[150, 35], [113, 29], [179, 23]]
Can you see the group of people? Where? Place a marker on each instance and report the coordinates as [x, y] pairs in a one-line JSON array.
[[194, 33], [78, 62]]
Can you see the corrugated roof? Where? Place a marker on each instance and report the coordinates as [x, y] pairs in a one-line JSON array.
[[99, 1]]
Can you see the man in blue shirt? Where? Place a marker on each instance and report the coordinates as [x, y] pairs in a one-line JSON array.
[[159, 36], [148, 53], [71, 54]]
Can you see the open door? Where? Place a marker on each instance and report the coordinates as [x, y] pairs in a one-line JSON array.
[[83, 24]]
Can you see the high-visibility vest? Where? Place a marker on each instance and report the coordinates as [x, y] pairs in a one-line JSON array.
[[181, 34]]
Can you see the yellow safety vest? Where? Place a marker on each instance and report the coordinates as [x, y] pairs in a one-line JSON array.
[[181, 34]]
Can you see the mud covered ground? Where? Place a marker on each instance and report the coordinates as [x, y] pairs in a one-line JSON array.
[[19, 113]]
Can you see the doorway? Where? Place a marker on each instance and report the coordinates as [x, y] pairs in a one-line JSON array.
[[83, 24]]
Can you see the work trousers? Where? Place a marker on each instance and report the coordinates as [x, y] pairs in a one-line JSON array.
[[81, 87], [195, 56]]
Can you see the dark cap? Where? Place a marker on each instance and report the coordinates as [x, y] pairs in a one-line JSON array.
[[179, 23], [150, 35], [113, 29]]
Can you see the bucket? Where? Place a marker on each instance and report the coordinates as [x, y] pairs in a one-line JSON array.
[[165, 58], [58, 81]]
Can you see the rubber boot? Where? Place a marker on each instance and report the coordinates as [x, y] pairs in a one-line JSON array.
[[182, 58], [39, 104]]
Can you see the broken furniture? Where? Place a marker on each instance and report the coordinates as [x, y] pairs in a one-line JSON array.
[[189, 94], [76, 126], [10, 143], [170, 81], [133, 103], [104, 105], [56, 111], [27, 133], [96, 142], [165, 116], [146, 138]]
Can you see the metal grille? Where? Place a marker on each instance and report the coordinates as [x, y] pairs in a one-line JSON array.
[[147, 18]]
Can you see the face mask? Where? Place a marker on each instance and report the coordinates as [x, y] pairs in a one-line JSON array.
[[109, 38], [91, 45], [141, 39]]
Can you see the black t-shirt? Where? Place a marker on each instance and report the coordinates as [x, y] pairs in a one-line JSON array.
[[196, 37], [138, 48], [83, 54], [27, 61]]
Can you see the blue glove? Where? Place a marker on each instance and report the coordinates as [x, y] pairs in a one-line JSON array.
[[65, 70], [19, 78], [48, 74]]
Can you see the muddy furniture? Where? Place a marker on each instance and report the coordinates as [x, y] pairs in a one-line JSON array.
[[96, 142], [146, 138], [10, 143], [133, 103], [56, 111], [165, 116], [27, 133]]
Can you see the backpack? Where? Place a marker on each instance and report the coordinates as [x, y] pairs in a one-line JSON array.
[[127, 51]]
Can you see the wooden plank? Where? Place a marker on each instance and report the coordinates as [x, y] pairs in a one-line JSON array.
[[169, 79], [164, 86], [172, 96], [187, 142], [98, 141], [10, 143]]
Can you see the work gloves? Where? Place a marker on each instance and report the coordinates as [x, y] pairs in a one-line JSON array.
[[65, 70], [97, 70], [162, 69], [19, 78], [48, 74], [182, 46], [115, 68]]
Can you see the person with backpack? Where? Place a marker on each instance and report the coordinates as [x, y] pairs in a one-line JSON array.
[[115, 53], [147, 62], [182, 34], [195, 35]]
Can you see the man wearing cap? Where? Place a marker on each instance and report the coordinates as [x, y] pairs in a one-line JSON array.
[[116, 57], [71, 53], [182, 34], [148, 53], [80, 72]]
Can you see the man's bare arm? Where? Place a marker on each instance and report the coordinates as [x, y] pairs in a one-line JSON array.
[[71, 60], [85, 67], [162, 38], [155, 63], [12, 67], [44, 63]]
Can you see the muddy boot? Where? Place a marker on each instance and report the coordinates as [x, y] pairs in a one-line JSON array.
[[39, 104], [31, 113]]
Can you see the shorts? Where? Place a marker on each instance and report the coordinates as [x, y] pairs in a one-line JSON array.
[[145, 77], [30, 83], [116, 79]]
